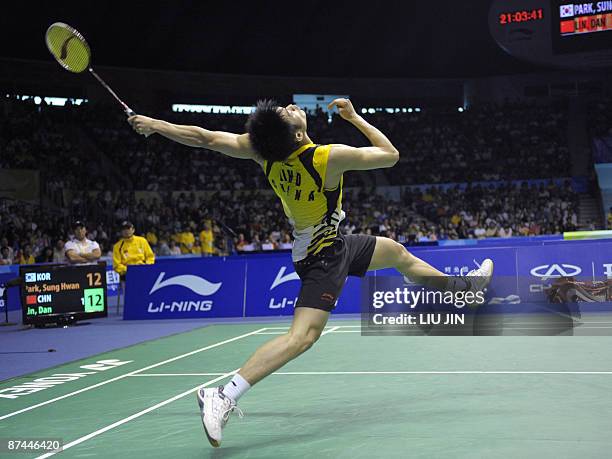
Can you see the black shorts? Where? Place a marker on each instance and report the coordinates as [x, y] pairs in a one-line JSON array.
[[323, 275]]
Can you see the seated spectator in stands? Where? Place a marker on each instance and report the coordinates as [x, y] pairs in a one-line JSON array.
[[256, 242], [174, 249], [248, 247], [286, 243], [610, 218], [46, 256], [59, 254], [479, 231], [11, 254], [131, 250], [5, 258], [25, 255], [221, 247], [151, 238], [241, 243], [107, 252], [186, 240], [207, 239], [504, 232], [163, 250], [267, 245], [81, 250], [197, 248], [491, 230]]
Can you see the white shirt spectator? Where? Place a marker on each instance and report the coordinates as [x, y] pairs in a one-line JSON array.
[[267, 245], [480, 232], [80, 247]]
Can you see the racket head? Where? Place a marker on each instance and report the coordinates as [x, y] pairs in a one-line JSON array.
[[68, 47]]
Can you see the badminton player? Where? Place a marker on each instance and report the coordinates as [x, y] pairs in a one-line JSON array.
[[308, 180]]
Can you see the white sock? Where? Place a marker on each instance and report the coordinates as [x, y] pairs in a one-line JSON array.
[[457, 284], [236, 388]]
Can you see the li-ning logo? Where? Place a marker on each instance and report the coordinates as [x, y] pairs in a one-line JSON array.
[[281, 278], [555, 270], [196, 284]]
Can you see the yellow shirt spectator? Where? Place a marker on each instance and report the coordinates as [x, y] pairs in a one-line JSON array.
[[187, 239], [131, 250], [27, 259], [207, 240], [151, 238]]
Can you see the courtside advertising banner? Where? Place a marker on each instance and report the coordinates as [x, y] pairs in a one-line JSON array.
[[112, 281], [541, 269], [273, 287], [190, 288], [267, 285]]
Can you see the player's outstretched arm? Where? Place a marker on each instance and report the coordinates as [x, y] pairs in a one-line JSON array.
[[234, 145], [381, 154]]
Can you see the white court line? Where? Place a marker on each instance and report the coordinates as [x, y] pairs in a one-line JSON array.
[[331, 330], [136, 415], [220, 343], [151, 408], [176, 374], [452, 372]]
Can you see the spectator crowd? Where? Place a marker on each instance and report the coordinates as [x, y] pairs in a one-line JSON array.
[[487, 142], [213, 224], [193, 201]]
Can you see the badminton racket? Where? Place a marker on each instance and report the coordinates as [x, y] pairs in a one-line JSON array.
[[72, 52]]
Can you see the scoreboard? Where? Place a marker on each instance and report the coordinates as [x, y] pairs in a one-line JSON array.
[[63, 293], [581, 26], [560, 33], [576, 18]]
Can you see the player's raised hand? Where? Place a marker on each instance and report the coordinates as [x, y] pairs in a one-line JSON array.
[[142, 124], [345, 108]]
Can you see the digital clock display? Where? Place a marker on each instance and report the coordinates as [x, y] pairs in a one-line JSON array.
[[521, 16]]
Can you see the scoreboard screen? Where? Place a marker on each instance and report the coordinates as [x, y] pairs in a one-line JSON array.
[[557, 33], [63, 293], [580, 27]]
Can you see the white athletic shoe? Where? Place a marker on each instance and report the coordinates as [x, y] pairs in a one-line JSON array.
[[478, 279], [215, 409]]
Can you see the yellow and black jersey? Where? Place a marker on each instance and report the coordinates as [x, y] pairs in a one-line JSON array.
[[314, 212]]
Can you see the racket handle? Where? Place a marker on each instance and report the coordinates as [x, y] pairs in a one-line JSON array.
[[129, 112]]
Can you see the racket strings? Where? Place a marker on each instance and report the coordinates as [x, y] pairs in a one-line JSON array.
[[68, 47]]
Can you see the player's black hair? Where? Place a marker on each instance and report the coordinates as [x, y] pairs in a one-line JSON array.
[[272, 136]]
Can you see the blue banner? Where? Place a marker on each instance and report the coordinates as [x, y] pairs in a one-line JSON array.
[[189, 288], [273, 287], [112, 281]]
